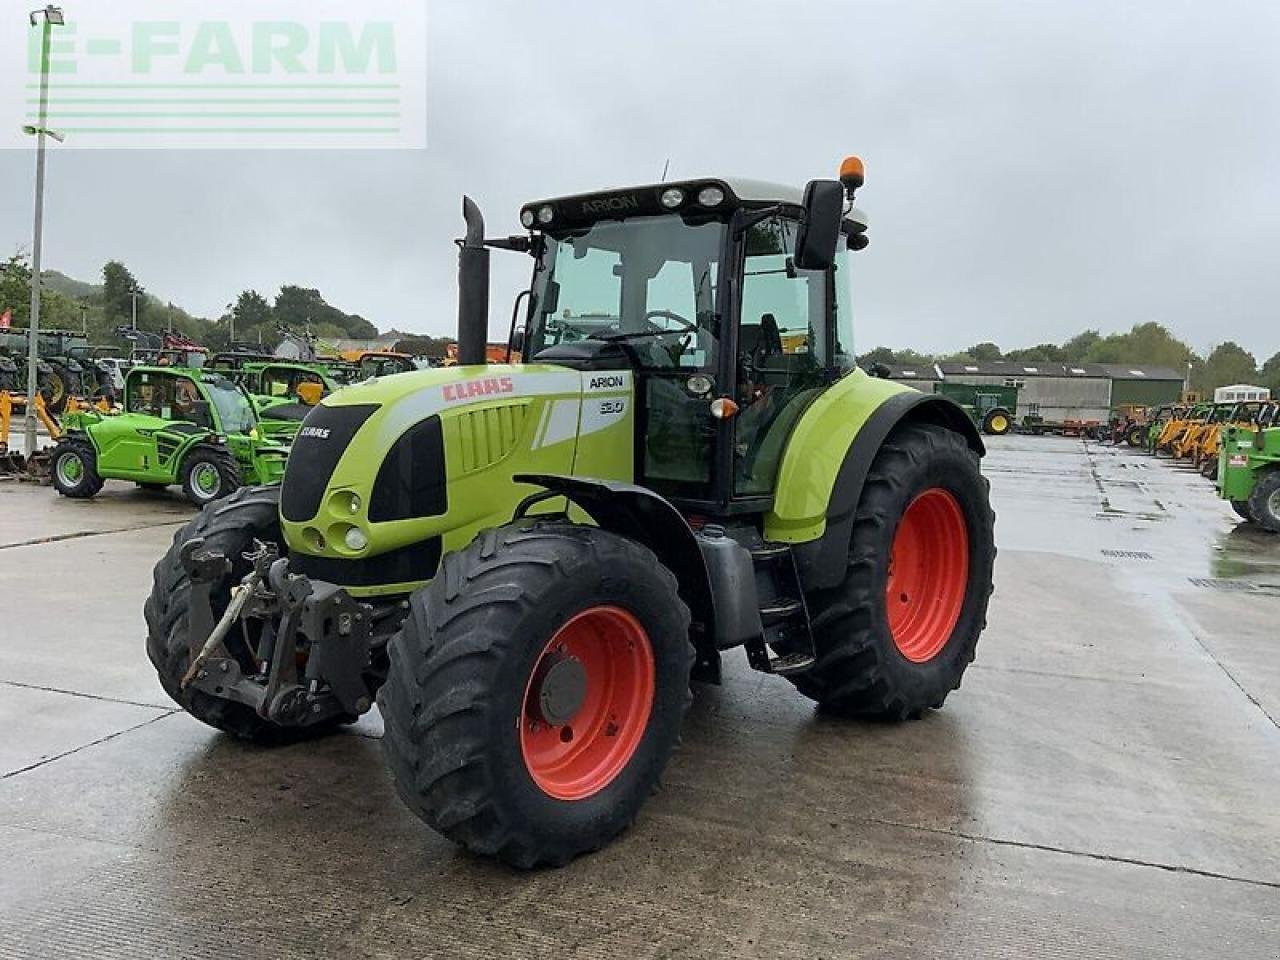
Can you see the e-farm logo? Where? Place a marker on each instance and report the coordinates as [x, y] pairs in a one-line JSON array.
[[193, 74]]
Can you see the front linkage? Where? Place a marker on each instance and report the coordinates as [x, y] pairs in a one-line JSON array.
[[292, 614]]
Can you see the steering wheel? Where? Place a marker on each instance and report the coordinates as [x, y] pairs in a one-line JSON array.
[[689, 325]]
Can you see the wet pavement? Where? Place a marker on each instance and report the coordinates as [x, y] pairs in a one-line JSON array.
[[1105, 784]]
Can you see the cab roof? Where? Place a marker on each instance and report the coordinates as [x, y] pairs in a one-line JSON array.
[[576, 210]]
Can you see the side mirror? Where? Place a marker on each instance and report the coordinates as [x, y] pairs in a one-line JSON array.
[[819, 235], [517, 341]]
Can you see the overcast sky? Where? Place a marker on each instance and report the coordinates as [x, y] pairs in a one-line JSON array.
[[1033, 168]]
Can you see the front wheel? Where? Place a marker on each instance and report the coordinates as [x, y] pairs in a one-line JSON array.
[[536, 691], [209, 474], [895, 638], [74, 469]]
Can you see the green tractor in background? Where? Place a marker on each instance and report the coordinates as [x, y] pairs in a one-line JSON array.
[[1249, 469], [181, 426], [992, 408], [283, 393], [526, 565]]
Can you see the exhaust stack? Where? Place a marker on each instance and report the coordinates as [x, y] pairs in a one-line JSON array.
[[473, 288]]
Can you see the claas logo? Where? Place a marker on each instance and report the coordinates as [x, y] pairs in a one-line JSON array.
[[455, 392]]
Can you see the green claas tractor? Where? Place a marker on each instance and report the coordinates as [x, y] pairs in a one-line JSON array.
[[526, 565], [180, 426], [1249, 469]]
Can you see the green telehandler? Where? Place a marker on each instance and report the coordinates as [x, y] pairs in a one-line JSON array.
[[1249, 469], [182, 426], [527, 564]]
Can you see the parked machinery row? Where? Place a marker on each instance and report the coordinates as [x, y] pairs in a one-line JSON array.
[[1234, 444]]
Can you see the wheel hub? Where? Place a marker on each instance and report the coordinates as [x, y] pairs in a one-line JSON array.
[[560, 688]]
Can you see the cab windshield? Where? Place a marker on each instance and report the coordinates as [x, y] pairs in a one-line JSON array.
[[234, 412], [647, 282]]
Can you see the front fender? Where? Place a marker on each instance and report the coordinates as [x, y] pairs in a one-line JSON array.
[[642, 515]]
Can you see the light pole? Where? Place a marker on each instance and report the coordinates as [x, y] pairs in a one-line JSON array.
[[52, 16], [133, 294]]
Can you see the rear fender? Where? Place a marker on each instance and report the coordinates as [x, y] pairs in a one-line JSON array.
[[642, 515]]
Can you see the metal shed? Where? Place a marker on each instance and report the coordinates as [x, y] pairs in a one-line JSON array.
[[1055, 391], [1143, 386]]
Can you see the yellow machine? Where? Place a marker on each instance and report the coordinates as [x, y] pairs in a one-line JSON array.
[[1204, 453], [11, 463], [1177, 426]]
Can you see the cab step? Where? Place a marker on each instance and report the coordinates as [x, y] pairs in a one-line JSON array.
[[790, 663]]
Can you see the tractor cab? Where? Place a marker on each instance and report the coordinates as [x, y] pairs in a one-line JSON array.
[[207, 400], [712, 293]]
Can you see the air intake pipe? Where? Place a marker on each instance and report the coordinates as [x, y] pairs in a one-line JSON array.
[[473, 288]]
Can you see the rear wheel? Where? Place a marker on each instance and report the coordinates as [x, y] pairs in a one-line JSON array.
[[997, 423], [1241, 507], [57, 389], [1136, 436], [209, 474], [1264, 501], [896, 637], [74, 469], [536, 691]]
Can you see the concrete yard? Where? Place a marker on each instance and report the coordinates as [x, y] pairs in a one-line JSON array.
[[1105, 784]]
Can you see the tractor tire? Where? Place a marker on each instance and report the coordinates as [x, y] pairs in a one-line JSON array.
[[1241, 507], [1264, 501], [997, 422], [229, 525], [58, 390], [74, 469], [558, 626], [1136, 436], [209, 474], [896, 637]]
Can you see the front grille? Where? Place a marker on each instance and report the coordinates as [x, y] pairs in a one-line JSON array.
[[165, 446], [320, 444], [411, 481], [418, 561]]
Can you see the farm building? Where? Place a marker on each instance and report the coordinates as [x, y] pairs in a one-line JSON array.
[[1057, 391], [1054, 391], [1143, 386]]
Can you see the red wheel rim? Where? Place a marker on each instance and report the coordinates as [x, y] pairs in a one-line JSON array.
[[582, 754], [928, 575]]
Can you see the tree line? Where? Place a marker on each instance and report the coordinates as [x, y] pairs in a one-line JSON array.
[[1147, 344], [98, 309]]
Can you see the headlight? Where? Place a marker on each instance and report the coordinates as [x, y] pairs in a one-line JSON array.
[[672, 197], [546, 215], [526, 218], [355, 539], [711, 196]]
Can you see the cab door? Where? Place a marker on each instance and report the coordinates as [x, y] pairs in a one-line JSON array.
[[787, 352]]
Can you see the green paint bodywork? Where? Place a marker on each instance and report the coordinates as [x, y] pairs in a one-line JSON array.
[[1242, 457], [530, 424], [150, 449], [815, 452], [540, 418]]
